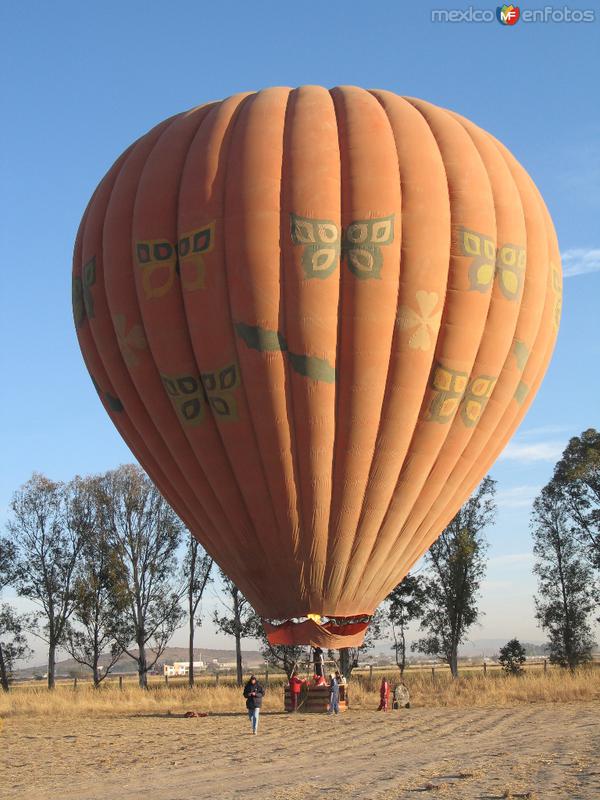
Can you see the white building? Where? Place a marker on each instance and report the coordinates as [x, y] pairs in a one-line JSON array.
[[180, 669]]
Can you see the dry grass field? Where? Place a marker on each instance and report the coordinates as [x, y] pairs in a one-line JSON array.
[[537, 736]]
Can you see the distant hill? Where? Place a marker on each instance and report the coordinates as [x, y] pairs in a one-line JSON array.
[[68, 666], [475, 647], [490, 647]]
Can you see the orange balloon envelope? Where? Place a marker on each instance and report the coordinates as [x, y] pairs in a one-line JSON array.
[[316, 318]]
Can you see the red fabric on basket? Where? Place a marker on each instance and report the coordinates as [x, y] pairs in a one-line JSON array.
[[316, 634]]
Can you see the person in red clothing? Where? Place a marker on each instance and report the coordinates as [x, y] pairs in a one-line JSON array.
[[295, 689], [384, 695]]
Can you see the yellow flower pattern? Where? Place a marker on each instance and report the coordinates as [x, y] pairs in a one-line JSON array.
[[130, 339]]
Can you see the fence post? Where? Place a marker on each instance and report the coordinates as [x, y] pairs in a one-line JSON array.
[[121, 682], [484, 668], [370, 677], [217, 678], [166, 679], [75, 683], [433, 673], [545, 665]]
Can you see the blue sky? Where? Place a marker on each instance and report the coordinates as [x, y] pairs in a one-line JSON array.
[[82, 80]]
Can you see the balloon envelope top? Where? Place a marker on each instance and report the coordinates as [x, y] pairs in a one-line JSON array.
[[316, 317]]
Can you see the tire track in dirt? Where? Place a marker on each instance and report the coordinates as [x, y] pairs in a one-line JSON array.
[[362, 754]]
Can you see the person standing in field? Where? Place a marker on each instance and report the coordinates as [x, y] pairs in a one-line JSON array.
[[254, 693], [384, 695], [295, 689], [334, 695]]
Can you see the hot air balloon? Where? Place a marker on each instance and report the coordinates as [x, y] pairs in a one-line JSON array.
[[316, 318]]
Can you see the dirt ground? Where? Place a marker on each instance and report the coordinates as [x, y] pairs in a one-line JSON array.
[[538, 751]]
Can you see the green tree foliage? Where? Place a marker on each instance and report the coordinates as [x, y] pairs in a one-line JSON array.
[[13, 643], [512, 657], [405, 604], [565, 580], [143, 533], [577, 479], [100, 604], [48, 524], [577, 475], [456, 565], [8, 558]]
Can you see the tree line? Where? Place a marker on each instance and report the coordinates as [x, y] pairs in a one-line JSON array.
[[98, 559]]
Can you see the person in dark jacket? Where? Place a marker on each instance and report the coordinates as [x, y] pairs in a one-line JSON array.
[[318, 662], [254, 693]]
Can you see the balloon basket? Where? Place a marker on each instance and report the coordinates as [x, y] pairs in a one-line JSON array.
[[315, 699]]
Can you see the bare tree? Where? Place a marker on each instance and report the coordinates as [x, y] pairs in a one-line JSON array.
[[48, 523], [349, 657], [239, 622], [196, 569], [283, 656], [143, 533], [457, 566]]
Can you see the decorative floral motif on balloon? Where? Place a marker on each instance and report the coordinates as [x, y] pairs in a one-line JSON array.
[[521, 353], [320, 239], [192, 248], [157, 260], [187, 396], [269, 341], [476, 397], [363, 240], [423, 323], [219, 387], [190, 394], [130, 340], [77, 302], [510, 270], [110, 401], [481, 249], [521, 392], [447, 388], [83, 301]]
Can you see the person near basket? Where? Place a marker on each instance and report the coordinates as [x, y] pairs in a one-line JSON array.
[[296, 685], [384, 695]]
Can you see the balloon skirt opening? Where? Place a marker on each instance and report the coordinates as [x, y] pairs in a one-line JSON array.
[[310, 632]]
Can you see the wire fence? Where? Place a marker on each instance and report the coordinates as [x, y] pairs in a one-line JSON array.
[[366, 675]]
